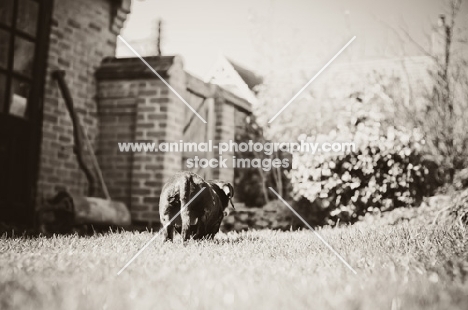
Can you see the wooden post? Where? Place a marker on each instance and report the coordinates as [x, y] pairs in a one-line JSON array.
[[210, 132]]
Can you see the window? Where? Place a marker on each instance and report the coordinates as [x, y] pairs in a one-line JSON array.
[[27, 16], [4, 48], [18, 40], [6, 11], [24, 30], [23, 59]]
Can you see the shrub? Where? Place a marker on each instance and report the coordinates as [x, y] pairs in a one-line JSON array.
[[387, 170]]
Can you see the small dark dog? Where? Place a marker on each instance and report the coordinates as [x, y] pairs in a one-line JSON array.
[[203, 216]]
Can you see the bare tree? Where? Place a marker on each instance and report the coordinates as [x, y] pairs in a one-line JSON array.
[[443, 117]]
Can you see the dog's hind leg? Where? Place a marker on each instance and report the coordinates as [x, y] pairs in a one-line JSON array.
[[169, 232], [185, 210], [200, 229], [185, 230], [168, 228]]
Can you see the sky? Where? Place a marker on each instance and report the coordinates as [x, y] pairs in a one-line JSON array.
[[262, 33]]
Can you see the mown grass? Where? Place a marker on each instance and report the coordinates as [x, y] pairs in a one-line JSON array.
[[399, 267]]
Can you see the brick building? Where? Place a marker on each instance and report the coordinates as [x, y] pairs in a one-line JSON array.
[[117, 100], [135, 105]]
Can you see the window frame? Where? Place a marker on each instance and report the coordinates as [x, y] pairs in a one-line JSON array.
[[9, 71], [31, 123]]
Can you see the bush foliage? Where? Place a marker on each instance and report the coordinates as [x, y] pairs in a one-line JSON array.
[[386, 170]]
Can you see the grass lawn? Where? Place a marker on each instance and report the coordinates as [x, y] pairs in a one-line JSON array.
[[399, 267]]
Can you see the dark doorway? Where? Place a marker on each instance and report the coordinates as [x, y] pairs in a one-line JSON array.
[[24, 32]]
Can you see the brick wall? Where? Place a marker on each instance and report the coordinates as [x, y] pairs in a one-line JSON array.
[[117, 114], [139, 108], [80, 37]]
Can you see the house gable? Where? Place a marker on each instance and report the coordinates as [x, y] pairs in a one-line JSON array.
[[227, 77]]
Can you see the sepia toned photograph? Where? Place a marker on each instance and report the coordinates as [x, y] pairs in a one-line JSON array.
[[262, 154]]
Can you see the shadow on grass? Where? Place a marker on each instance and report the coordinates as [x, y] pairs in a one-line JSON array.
[[17, 231]]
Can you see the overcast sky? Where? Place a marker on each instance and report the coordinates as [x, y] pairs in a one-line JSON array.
[[252, 32]]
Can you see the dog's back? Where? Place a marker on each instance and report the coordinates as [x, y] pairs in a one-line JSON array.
[[202, 217], [180, 188]]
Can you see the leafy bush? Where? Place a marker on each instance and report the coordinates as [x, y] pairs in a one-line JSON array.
[[387, 170]]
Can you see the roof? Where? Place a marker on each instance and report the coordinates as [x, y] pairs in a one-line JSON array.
[[226, 76], [207, 90], [118, 68], [249, 77]]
